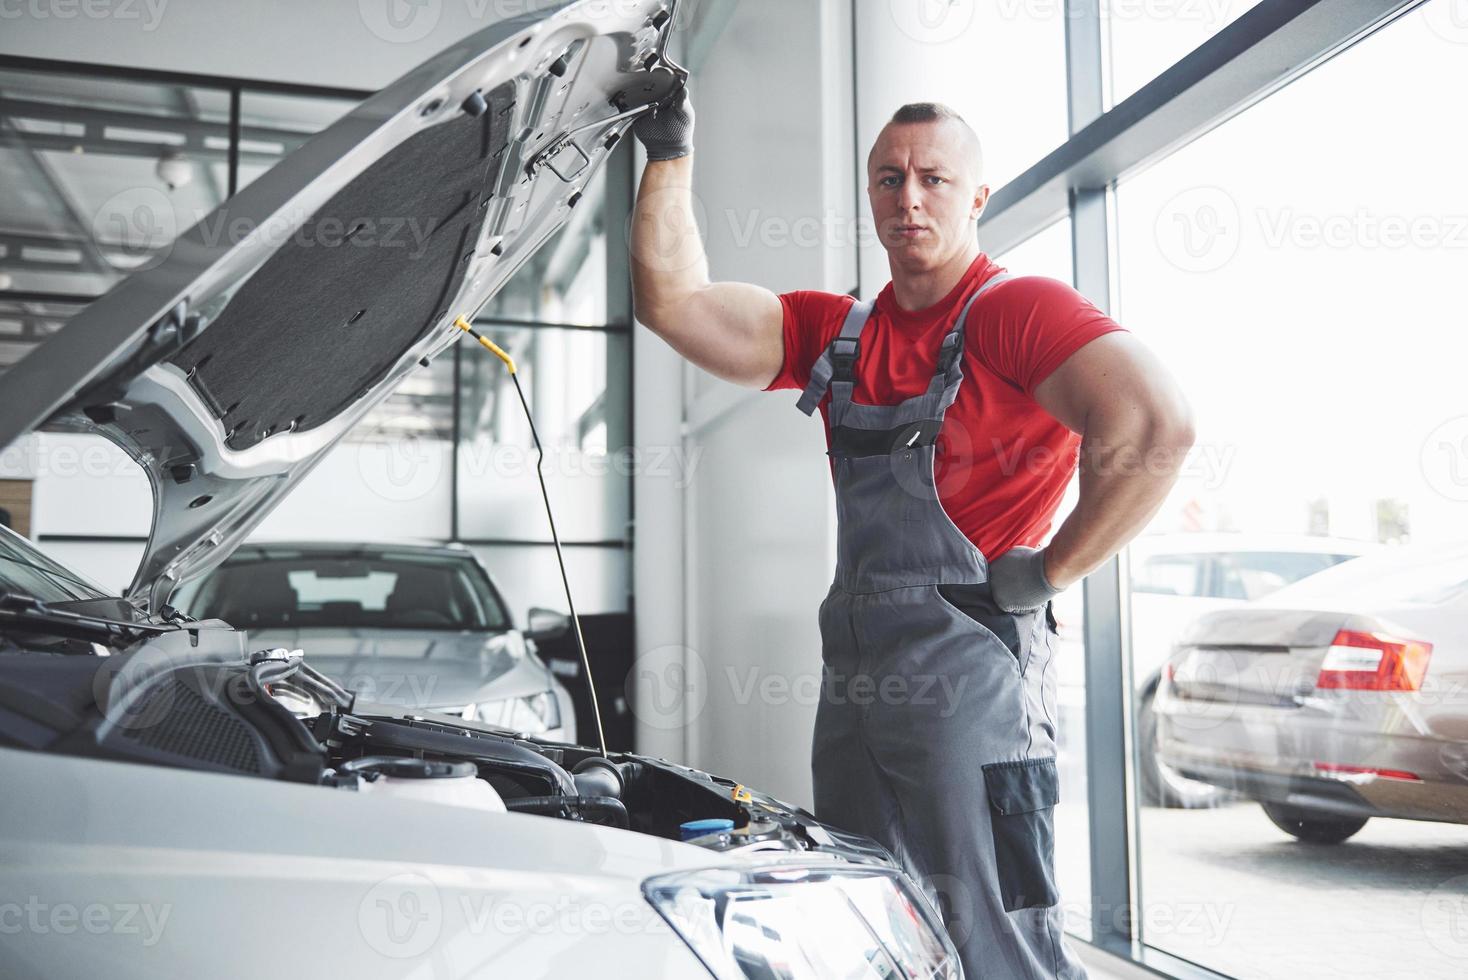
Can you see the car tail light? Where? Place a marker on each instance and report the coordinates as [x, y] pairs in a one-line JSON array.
[[1360, 661], [1336, 768]]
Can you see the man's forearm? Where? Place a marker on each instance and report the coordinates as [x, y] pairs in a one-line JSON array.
[[668, 260], [1126, 473]]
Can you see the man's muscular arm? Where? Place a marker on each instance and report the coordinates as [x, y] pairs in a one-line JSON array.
[[730, 329], [1136, 429]]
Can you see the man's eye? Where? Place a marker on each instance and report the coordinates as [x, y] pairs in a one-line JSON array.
[[889, 181]]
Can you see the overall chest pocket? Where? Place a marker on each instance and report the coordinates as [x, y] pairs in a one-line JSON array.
[[1022, 798]]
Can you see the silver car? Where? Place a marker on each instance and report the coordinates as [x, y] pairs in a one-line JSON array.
[[413, 626], [1338, 699]]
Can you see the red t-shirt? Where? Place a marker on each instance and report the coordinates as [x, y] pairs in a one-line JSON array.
[[1002, 462]]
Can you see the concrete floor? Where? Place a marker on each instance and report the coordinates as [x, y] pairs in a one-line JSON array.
[[1228, 890]]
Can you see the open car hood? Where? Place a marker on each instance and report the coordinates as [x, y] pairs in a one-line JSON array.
[[228, 370]]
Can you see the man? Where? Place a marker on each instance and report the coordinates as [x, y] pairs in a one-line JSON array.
[[955, 407]]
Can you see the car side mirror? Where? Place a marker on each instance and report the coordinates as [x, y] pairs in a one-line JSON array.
[[546, 624]]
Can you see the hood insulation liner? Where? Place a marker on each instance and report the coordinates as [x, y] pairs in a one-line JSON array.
[[364, 278]]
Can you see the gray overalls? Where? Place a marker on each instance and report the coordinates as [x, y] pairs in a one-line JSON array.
[[935, 732]]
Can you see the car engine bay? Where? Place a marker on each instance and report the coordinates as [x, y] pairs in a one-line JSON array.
[[191, 697]]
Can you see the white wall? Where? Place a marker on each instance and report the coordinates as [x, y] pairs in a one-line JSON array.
[[773, 176], [84, 486]]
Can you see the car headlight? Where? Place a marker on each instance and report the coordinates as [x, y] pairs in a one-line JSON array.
[[805, 921], [534, 713]]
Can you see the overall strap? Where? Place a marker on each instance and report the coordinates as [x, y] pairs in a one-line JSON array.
[[837, 360], [953, 341]]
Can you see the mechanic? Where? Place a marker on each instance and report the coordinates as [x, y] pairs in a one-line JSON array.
[[939, 572]]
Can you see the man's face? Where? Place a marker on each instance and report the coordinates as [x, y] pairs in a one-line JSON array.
[[924, 188]]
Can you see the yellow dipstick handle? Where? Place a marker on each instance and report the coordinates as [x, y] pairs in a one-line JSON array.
[[494, 348]]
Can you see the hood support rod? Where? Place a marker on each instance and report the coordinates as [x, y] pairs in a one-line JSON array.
[[497, 351]]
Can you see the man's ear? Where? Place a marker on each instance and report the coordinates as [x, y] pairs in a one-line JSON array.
[[981, 199]]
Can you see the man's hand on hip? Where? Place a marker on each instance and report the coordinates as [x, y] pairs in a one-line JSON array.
[[1017, 580], [667, 132]]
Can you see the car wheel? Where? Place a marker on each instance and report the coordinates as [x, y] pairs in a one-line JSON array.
[[1160, 784], [1311, 826]]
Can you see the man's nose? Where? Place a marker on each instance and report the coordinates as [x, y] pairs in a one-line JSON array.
[[911, 197]]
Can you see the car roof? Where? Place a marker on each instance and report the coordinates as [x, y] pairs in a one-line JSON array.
[[259, 549], [1191, 542]]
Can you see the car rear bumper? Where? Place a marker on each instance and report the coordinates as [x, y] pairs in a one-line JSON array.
[[1315, 759]]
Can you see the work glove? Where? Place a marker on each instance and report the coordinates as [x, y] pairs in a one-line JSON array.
[[667, 132], [1017, 580]]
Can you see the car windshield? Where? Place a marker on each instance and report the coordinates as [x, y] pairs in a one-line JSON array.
[[297, 590], [25, 571]]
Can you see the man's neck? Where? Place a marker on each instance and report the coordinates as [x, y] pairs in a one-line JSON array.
[[920, 289]]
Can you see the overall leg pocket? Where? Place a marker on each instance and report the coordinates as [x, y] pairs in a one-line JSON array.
[[1022, 798]]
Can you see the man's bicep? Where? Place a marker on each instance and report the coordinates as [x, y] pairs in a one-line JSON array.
[[1114, 374], [741, 335]]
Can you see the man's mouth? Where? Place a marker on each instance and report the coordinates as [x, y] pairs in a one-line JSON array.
[[908, 231]]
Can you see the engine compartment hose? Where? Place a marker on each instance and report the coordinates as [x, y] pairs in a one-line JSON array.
[[554, 805]]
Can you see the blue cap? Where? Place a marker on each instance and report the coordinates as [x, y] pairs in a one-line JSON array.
[[697, 828]]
